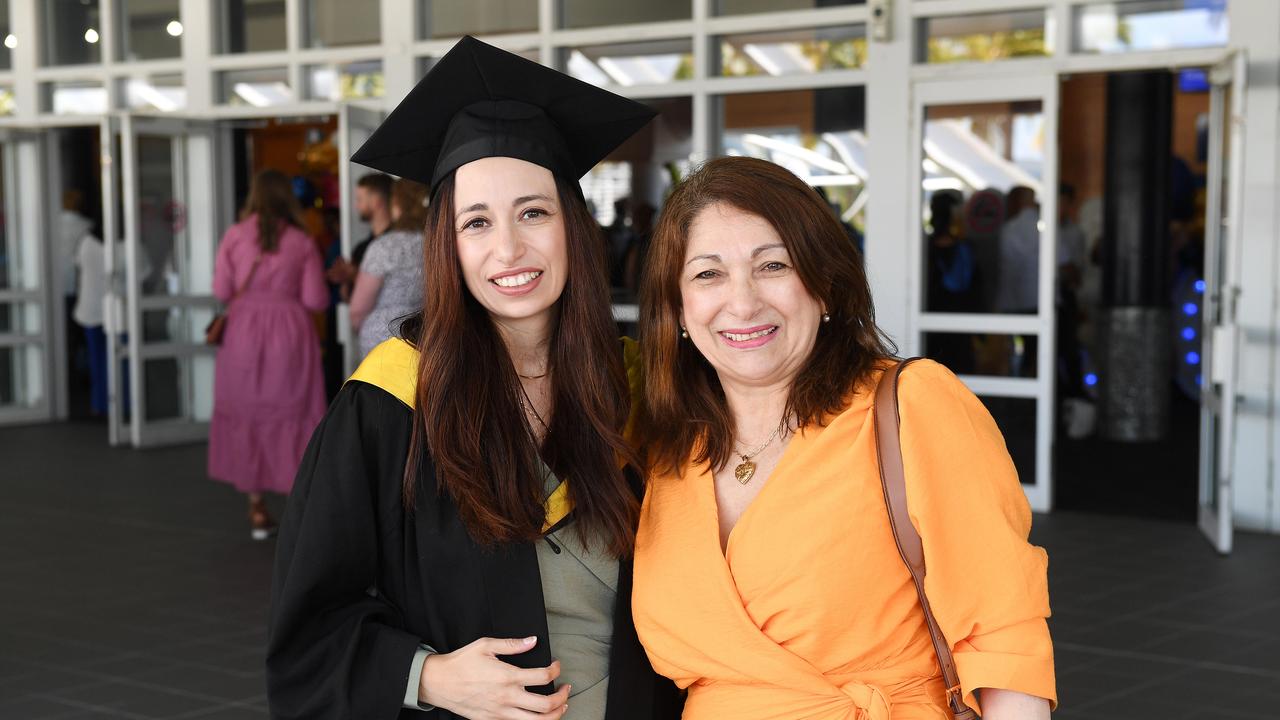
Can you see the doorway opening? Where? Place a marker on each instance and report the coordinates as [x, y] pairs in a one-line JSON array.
[[1134, 165], [74, 210], [307, 150]]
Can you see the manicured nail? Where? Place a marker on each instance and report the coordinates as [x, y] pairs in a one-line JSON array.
[[530, 640]]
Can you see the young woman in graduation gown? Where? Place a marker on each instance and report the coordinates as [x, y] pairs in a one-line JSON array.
[[457, 539], [767, 580]]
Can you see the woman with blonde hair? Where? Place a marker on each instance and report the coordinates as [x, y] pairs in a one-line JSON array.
[[389, 285], [768, 581], [268, 384]]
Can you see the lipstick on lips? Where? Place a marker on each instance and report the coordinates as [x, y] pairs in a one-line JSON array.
[[518, 281], [746, 338]]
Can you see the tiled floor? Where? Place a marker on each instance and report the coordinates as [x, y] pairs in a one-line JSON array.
[[129, 589]]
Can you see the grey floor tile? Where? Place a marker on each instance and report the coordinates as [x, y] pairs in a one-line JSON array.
[[155, 605]]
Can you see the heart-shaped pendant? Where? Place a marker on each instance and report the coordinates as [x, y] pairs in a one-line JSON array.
[[744, 472]]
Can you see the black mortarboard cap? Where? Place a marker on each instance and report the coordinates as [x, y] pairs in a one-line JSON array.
[[478, 101]]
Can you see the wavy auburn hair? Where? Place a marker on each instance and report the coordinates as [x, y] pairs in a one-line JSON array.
[[684, 416], [468, 421]]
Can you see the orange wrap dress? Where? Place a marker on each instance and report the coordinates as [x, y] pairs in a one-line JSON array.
[[810, 613]]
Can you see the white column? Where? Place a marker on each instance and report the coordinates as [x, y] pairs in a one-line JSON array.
[[705, 137], [889, 226], [399, 27], [197, 48], [1255, 26], [24, 23]]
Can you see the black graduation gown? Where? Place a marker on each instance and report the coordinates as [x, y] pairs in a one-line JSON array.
[[359, 582]]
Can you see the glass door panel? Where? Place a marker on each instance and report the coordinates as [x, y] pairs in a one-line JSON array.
[[1221, 333], [982, 268], [355, 124], [168, 253], [25, 295]]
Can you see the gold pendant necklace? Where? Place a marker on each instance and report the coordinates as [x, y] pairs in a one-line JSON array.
[[746, 469]]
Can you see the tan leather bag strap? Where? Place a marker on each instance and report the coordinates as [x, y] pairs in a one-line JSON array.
[[894, 483]]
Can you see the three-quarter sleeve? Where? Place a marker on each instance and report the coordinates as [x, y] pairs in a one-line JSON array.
[[987, 584], [315, 290], [335, 648], [224, 280]]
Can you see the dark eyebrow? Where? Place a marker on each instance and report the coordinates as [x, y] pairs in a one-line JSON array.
[[473, 208], [527, 198], [754, 253]]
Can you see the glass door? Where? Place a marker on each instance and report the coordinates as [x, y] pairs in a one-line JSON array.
[[981, 299], [164, 269], [27, 304], [355, 124], [1221, 332]]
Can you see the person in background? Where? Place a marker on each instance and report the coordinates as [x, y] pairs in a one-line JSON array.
[[69, 228], [953, 277], [91, 293], [1071, 264], [619, 238], [389, 284], [268, 385], [1018, 290], [642, 230], [1019, 253], [373, 204]]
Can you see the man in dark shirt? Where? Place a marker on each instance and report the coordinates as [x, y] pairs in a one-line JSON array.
[[373, 204]]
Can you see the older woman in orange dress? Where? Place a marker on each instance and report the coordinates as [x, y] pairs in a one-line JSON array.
[[767, 579]]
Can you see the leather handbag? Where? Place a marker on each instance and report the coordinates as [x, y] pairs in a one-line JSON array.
[[893, 482], [217, 327]]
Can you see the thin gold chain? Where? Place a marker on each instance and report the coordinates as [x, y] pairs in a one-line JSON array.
[[747, 456]]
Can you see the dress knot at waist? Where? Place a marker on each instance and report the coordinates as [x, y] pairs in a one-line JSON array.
[[870, 700], [854, 700]]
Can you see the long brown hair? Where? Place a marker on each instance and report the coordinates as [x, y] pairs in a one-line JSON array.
[[684, 415], [271, 198], [411, 198], [468, 418]]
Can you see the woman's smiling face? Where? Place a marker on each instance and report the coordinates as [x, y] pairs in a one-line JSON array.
[[743, 303], [511, 238]]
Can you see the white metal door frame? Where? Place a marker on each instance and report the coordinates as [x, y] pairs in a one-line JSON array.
[[1043, 88], [27, 228], [1220, 332], [193, 152], [356, 122]]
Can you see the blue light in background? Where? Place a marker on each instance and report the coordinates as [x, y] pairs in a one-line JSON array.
[[1200, 286], [1188, 334], [1193, 358], [1190, 308], [1091, 379], [1198, 380]]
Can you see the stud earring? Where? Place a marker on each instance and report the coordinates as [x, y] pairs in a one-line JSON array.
[[684, 333], [826, 317]]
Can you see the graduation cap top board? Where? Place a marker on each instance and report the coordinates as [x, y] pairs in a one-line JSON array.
[[478, 101]]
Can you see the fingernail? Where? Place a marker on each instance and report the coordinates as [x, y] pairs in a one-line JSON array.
[[530, 640]]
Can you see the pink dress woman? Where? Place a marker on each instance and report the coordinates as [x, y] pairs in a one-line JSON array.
[[268, 384]]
